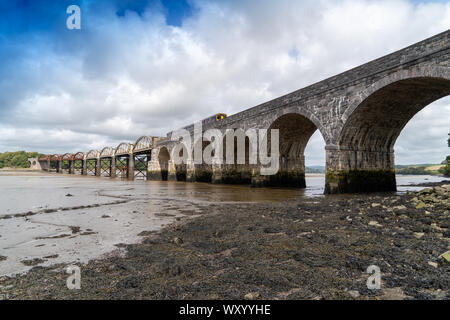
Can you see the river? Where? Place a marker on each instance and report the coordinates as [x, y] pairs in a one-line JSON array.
[[49, 218]]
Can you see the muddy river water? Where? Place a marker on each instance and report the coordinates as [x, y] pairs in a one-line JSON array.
[[49, 218]]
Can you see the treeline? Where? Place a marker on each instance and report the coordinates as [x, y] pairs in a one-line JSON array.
[[314, 170], [17, 159], [412, 170], [445, 170]]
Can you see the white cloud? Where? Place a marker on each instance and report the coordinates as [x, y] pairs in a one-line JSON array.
[[135, 75]]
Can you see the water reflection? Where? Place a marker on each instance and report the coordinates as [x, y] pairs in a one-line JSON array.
[[36, 192]]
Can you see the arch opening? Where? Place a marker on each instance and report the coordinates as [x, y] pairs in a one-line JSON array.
[[163, 158], [295, 131], [366, 143], [78, 163]]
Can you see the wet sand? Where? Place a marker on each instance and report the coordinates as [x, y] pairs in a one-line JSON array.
[[293, 248], [56, 218]]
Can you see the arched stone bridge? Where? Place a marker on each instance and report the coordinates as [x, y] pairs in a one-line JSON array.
[[360, 113]]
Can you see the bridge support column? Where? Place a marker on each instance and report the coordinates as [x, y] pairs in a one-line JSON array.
[[237, 173], [291, 174], [172, 171], [190, 171], [216, 177], [113, 168], [59, 166], [154, 169], [48, 165], [84, 167], [71, 167], [98, 167], [354, 171], [131, 167]]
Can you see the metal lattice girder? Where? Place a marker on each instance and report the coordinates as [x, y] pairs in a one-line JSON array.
[[105, 167], [65, 164], [78, 166], [122, 166], [91, 166], [141, 166]]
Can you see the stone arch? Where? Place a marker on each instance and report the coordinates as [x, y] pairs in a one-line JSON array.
[[364, 155], [163, 159], [295, 130], [307, 113], [414, 73]]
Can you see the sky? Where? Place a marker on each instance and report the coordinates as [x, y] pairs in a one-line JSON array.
[[146, 67]]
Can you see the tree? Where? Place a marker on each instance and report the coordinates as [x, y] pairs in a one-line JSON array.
[[446, 169], [17, 159]]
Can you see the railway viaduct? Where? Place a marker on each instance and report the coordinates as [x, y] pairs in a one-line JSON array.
[[360, 113]]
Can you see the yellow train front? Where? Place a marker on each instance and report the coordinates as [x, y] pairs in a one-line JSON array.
[[214, 118]]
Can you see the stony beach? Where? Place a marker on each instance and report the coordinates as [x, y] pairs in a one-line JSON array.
[[317, 248]]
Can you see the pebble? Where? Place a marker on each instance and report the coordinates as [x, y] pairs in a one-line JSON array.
[[418, 235], [354, 293], [251, 296], [375, 224], [445, 256], [177, 240]]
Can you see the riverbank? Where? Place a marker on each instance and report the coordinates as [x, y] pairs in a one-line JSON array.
[[317, 248]]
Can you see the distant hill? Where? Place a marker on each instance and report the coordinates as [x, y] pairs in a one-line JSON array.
[[315, 169], [18, 159], [419, 169]]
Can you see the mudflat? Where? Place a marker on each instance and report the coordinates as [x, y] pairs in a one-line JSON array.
[[315, 248]]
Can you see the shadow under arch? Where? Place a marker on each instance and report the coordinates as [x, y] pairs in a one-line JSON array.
[[163, 159], [295, 130], [371, 128]]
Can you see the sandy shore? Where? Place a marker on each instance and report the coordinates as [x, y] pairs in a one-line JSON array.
[[318, 248]]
